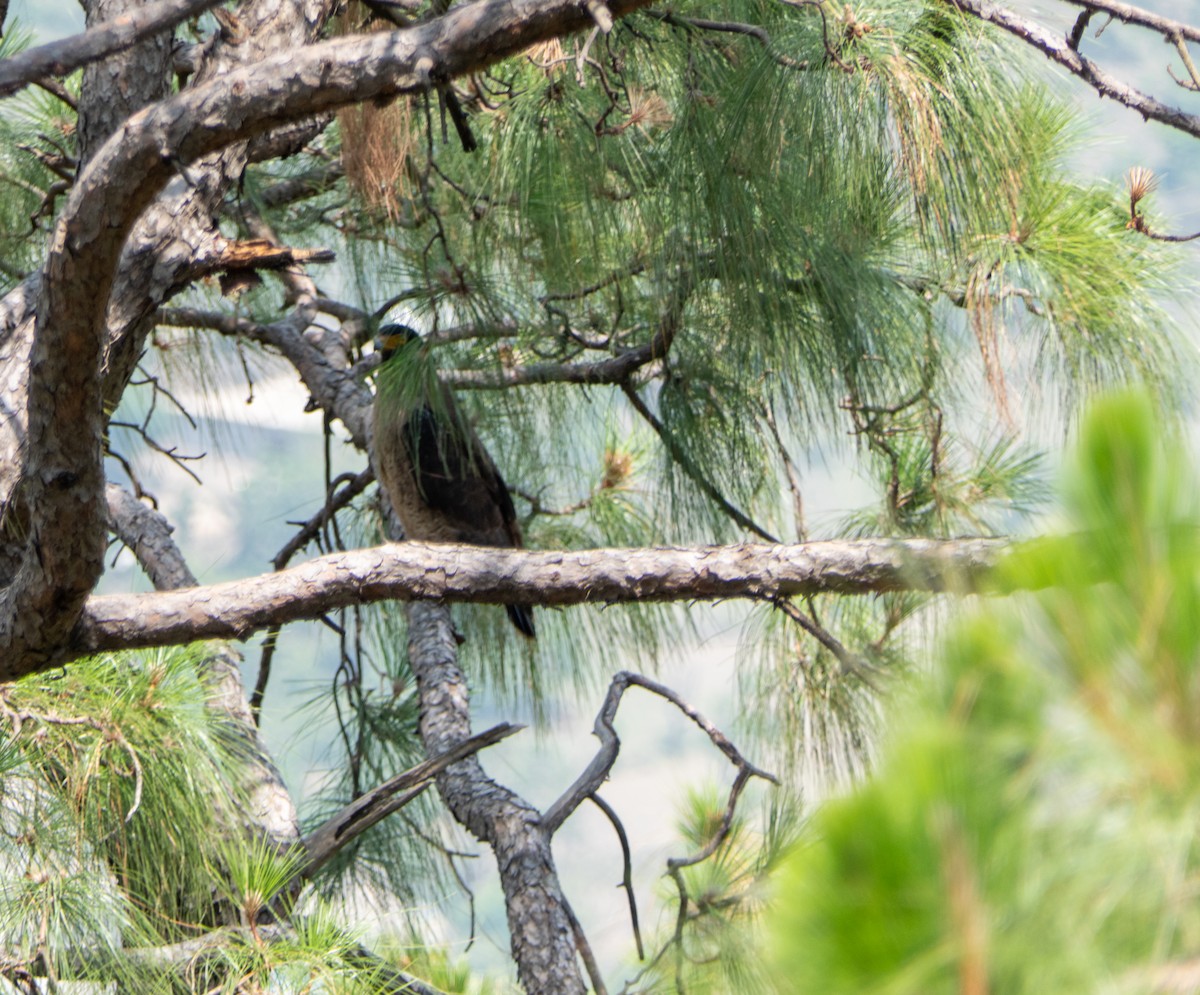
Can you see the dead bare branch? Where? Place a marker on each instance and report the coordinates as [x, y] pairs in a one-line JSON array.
[[627, 865], [1058, 49], [598, 770], [377, 804]]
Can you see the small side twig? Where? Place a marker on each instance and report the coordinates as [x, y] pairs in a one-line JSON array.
[[451, 857], [851, 662], [793, 474], [689, 467], [1193, 83], [172, 453], [1080, 26], [335, 500], [627, 862], [584, 949]]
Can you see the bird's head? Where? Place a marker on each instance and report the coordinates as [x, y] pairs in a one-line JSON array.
[[392, 338]]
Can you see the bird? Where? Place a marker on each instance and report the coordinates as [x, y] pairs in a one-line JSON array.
[[439, 477]]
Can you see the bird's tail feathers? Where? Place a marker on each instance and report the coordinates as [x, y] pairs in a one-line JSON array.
[[522, 617]]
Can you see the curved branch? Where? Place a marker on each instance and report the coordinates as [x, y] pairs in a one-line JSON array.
[[597, 771], [417, 571], [1058, 49], [1130, 14], [61, 488], [627, 868], [60, 58]]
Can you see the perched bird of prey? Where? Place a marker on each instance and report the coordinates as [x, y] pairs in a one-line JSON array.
[[440, 479]]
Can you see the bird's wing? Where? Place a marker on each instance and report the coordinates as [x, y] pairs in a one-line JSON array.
[[457, 479]]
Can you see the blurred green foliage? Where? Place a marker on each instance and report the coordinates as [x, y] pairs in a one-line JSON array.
[[1031, 826]]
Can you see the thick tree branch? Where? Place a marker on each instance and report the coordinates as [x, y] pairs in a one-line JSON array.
[[292, 86], [1058, 49], [542, 937], [63, 484], [60, 58], [124, 82], [51, 499], [147, 533], [413, 571]]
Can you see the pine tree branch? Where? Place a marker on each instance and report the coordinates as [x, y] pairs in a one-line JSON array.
[[147, 533], [1058, 49], [755, 31], [381, 801], [597, 773], [61, 58], [417, 571], [59, 484], [689, 467], [181, 956], [282, 193], [611, 370], [271, 812], [1129, 14], [88, 344], [540, 929]]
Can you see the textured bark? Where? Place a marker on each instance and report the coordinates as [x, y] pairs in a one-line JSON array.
[[57, 512], [51, 506], [1058, 49], [543, 944], [381, 801], [147, 533], [422, 571], [271, 812], [58, 497], [122, 84], [101, 40]]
